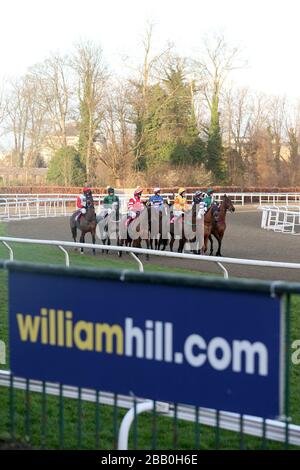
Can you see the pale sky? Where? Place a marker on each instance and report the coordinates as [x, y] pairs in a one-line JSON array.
[[268, 30]]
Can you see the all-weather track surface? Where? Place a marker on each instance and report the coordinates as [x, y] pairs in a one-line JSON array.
[[243, 239]]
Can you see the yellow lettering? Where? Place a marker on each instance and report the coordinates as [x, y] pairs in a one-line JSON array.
[[60, 328], [87, 329], [28, 327], [69, 329], [52, 326], [109, 331]]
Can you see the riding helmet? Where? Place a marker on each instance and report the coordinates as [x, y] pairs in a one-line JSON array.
[[138, 191]]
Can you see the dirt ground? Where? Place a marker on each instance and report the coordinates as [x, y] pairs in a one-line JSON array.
[[243, 239]]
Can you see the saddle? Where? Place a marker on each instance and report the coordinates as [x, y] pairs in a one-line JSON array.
[[215, 212], [78, 216]]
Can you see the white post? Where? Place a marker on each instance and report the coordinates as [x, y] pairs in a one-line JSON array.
[[67, 258], [11, 253], [141, 267], [127, 421]]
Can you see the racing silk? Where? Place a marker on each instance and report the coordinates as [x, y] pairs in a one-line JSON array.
[[156, 200], [180, 203], [200, 206], [197, 199], [109, 200], [135, 204], [208, 201], [81, 202]]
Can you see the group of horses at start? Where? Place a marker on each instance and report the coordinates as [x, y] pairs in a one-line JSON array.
[[157, 228]]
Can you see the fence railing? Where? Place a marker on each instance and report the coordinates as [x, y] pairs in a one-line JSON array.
[[284, 219], [135, 252], [28, 408], [19, 206]]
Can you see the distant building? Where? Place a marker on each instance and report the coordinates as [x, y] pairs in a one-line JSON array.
[[53, 142]]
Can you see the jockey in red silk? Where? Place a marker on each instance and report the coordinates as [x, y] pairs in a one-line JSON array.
[[81, 200], [135, 205]]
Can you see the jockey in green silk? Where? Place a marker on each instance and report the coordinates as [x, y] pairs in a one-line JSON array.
[[209, 198], [110, 199]]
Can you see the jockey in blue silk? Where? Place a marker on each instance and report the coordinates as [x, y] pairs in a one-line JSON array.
[[156, 200], [198, 201]]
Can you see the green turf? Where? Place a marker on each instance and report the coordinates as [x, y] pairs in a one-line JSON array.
[[29, 425]]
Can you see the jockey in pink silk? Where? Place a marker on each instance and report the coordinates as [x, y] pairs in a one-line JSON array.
[[135, 205]]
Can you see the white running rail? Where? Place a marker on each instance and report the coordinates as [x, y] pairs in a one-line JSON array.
[[18, 206], [284, 219], [62, 245]]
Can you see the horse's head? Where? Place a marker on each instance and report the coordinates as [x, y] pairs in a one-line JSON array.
[[90, 204], [228, 203], [89, 197]]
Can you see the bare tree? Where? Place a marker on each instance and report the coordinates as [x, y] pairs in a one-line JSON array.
[[151, 72], [116, 137], [276, 117], [17, 116], [55, 89], [92, 77], [293, 140], [213, 68], [236, 123]]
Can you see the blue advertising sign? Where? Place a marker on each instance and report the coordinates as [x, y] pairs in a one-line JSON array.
[[192, 345]]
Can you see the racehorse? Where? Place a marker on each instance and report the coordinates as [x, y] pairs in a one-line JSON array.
[[159, 220], [219, 223], [85, 222], [208, 220], [135, 232], [108, 226], [188, 228]]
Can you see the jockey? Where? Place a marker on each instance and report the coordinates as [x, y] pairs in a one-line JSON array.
[[180, 203], [198, 201], [197, 198], [81, 201], [156, 200], [111, 199], [110, 202], [209, 200], [135, 204]]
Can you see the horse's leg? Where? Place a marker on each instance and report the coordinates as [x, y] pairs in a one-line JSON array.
[[120, 243], [94, 241], [74, 234], [172, 243], [219, 245], [204, 248], [181, 245], [81, 241], [108, 243], [211, 245], [164, 245], [148, 246]]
